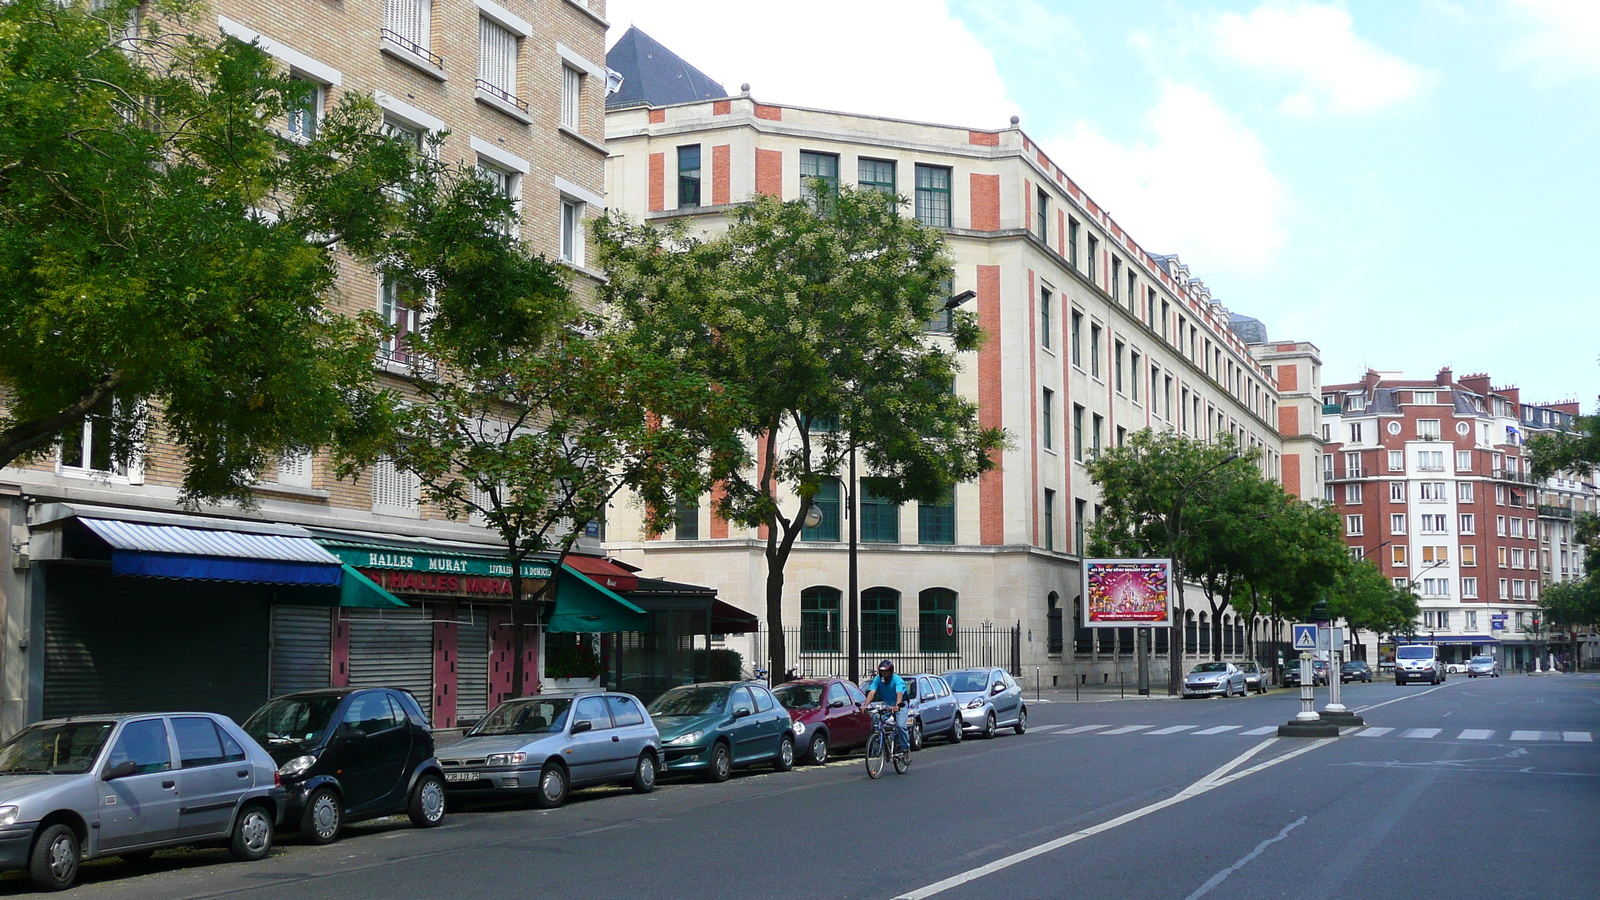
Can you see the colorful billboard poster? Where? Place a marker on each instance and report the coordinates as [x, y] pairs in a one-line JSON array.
[[1120, 593]]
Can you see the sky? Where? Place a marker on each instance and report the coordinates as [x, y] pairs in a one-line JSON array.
[[1407, 185]]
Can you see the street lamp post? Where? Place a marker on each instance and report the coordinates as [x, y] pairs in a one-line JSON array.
[[1175, 647]]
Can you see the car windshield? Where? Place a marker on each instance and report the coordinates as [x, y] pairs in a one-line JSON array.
[[1247, 667], [68, 748], [293, 721], [1420, 652], [800, 696], [694, 700], [1486, 660], [968, 682], [1210, 667], [534, 715]]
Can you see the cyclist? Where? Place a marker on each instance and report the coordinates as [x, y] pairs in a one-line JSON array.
[[888, 684]]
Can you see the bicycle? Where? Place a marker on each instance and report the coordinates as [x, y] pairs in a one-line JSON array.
[[883, 738]]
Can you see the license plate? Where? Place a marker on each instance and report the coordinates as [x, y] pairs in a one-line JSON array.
[[461, 776]]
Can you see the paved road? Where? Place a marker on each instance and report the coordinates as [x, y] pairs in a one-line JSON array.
[[1482, 788]]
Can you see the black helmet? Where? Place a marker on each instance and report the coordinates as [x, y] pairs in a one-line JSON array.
[[886, 666]]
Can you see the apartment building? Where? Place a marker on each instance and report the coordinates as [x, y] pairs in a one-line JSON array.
[[1090, 336], [1296, 367], [386, 589], [1430, 479]]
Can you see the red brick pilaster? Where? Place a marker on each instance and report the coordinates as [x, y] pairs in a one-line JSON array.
[[991, 485]]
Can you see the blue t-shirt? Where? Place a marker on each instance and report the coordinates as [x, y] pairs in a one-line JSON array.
[[888, 691]]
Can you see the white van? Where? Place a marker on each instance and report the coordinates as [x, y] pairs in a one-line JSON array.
[[1418, 662]]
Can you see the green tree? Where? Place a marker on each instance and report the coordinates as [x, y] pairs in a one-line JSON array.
[[1570, 605], [805, 326], [1297, 563], [1368, 601], [1231, 527], [162, 247]]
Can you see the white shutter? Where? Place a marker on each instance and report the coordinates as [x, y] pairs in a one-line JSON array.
[[394, 492], [409, 19], [295, 470], [497, 57], [571, 90]]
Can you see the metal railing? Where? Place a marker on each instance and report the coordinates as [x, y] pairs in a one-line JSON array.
[[503, 95], [816, 653], [410, 46]]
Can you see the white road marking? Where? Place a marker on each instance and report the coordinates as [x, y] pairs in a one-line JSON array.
[[1174, 729], [1047, 728], [1218, 878], [1127, 729], [1082, 728], [1423, 733], [1216, 779], [1265, 729], [1476, 734], [1219, 729], [1374, 732], [1527, 735], [1425, 693], [1577, 737]]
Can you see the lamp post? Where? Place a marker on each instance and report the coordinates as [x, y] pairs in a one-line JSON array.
[[1175, 647]]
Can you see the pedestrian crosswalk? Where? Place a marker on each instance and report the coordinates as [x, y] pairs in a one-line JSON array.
[[1371, 731]]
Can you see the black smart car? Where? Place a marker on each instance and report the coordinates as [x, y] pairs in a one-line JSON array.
[[350, 754]]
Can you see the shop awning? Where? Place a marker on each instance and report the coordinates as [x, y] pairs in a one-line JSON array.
[[605, 572], [354, 590], [211, 554], [583, 606], [729, 619]]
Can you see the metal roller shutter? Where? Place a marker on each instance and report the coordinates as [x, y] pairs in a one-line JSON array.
[[472, 669], [393, 648], [302, 648]]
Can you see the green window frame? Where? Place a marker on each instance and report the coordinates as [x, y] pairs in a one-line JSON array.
[[936, 522], [880, 520], [1072, 241], [1077, 339], [1094, 253], [1049, 519], [876, 174], [934, 605], [1077, 432], [820, 622], [689, 176], [1042, 216], [880, 621], [823, 166], [686, 519], [827, 500], [933, 195], [1047, 417], [1044, 317]]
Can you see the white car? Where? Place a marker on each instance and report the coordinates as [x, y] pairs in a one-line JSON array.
[[1208, 678]]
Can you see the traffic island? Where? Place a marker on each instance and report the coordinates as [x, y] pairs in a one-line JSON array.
[[1308, 728], [1343, 719]]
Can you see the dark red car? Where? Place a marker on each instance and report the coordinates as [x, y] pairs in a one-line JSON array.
[[828, 715]]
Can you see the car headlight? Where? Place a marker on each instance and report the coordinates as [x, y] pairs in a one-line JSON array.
[[8, 814], [297, 766], [686, 738], [975, 703], [506, 759], [799, 728]]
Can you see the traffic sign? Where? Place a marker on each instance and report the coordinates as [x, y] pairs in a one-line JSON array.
[[1305, 637], [949, 624]]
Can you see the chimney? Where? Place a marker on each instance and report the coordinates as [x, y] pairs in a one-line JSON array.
[[1445, 377]]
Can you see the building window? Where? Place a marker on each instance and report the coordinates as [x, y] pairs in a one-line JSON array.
[[1116, 279], [1047, 417], [409, 23], [1397, 491], [936, 620], [1352, 525], [880, 621], [1077, 339], [1042, 217], [1431, 490], [507, 184], [497, 63], [1430, 460], [86, 446], [1516, 527], [305, 111], [1099, 425], [1469, 555], [1094, 350], [1434, 523], [819, 176], [933, 195], [1133, 291], [400, 320], [1464, 491], [1352, 465], [1049, 519], [1469, 590], [1469, 524], [1397, 523], [1072, 241], [571, 231], [689, 177], [1077, 432], [1116, 374], [1428, 429], [826, 500], [1079, 512], [880, 520], [876, 175], [1133, 366], [1044, 316], [1463, 460], [1352, 493], [395, 492], [936, 522], [294, 470], [1398, 554], [571, 97], [1355, 432], [686, 519], [1094, 254], [819, 620]]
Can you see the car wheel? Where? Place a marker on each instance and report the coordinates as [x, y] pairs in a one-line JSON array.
[[989, 726], [817, 752], [721, 763], [784, 761], [914, 735], [426, 808], [252, 835], [956, 733], [1022, 721], [53, 865], [323, 817], [644, 774], [553, 786], [1401, 682]]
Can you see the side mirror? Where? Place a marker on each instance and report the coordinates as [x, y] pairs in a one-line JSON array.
[[836, 704], [582, 725], [998, 688], [741, 712], [121, 770]]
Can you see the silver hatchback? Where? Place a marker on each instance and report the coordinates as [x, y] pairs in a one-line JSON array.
[[988, 700], [1214, 678], [128, 785]]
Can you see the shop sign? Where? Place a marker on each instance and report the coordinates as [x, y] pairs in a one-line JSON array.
[[404, 582], [411, 561]]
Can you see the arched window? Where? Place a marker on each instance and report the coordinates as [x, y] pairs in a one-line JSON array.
[[1053, 615], [1205, 635], [1163, 635], [1227, 635], [1191, 638], [819, 620], [880, 621], [1082, 638], [936, 620]]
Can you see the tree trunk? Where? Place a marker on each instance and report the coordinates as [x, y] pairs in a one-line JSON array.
[[519, 641], [776, 651], [1175, 645]]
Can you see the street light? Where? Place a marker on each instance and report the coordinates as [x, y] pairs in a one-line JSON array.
[[1174, 533]]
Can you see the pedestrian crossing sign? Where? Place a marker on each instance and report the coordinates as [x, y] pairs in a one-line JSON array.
[[1305, 637]]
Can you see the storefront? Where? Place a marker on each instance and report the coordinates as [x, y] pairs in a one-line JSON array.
[[680, 645]]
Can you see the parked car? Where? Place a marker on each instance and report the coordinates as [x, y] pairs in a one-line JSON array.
[[350, 754], [545, 746], [988, 699], [933, 710], [128, 785], [1483, 665], [1254, 678], [828, 715], [1319, 673], [1418, 662], [1355, 670], [711, 728], [1214, 678]]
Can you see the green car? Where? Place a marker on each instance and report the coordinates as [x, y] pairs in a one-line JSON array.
[[711, 728]]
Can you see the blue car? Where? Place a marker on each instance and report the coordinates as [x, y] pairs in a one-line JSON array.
[[714, 727]]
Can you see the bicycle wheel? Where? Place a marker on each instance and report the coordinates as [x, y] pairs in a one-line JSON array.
[[875, 755], [902, 761]]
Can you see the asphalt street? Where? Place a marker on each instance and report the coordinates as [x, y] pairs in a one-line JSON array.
[[1475, 788]]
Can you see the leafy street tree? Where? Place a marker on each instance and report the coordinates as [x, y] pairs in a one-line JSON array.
[[1570, 605], [1233, 527], [1295, 566], [163, 247], [804, 328], [1368, 601]]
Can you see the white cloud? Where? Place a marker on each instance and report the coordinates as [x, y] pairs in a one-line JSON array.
[[1196, 184], [1025, 24], [1316, 46], [1562, 39], [905, 59]]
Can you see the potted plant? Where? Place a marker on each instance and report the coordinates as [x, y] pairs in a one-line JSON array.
[[570, 661]]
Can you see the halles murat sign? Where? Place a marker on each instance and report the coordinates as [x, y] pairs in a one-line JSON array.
[[408, 572]]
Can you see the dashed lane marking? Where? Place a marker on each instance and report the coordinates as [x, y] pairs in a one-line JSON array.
[[1173, 729], [1423, 733], [1577, 737], [1127, 729], [1374, 732], [1219, 729], [1265, 729], [1476, 734]]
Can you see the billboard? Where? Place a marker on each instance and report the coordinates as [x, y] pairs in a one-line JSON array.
[[1121, 593]]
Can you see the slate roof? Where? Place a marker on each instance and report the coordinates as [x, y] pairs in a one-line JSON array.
[[654, 76], [1251, 331]]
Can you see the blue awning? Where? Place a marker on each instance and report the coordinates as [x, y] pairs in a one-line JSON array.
[[207, 554], [356, 590]]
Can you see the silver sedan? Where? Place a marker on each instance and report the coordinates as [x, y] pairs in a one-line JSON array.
[[1219, 678]]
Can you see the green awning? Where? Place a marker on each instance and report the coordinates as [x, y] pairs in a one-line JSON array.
[[584, 607], [354, 590]]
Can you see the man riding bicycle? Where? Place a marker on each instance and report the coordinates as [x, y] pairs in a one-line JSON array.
[[885, 685]]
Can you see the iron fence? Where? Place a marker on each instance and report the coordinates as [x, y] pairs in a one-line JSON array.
[[810, 654]]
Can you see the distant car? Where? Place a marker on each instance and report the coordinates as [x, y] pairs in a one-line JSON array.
[[350, 754], [934, 711], [545, 746], [1418, 662], [1355, 670], [713, 727], [1483, 665], [829, 714], [1456, 668], [1214, 678], [1319, 673], [127, 785], [988, 699], [1254, 678]]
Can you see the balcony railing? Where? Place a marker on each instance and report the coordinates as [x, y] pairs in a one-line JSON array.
[[502, 95], [410, 46], [1555, 512]]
